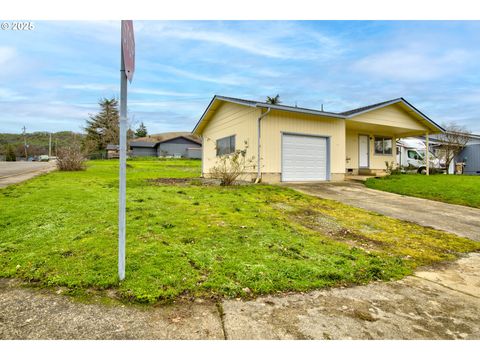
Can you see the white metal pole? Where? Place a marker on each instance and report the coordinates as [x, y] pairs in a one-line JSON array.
[[427, 153], [123, 169]]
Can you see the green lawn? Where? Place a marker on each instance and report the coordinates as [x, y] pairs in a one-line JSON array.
[[191, 239], [453, 189]]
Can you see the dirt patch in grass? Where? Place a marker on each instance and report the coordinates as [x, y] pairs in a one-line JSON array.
[[170, 181], [329, 226]]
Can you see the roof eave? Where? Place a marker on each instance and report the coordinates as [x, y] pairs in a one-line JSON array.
[[405, 102]]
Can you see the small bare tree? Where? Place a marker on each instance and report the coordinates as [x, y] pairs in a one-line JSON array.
[[71, 158], [453, 140], [230, 167]]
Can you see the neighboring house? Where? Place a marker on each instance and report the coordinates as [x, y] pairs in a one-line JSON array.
[[469, 156], [113, 151], [297, 144], [172, 144]]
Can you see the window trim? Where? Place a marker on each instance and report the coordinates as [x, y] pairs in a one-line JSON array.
[[383, 137], [230, 148]]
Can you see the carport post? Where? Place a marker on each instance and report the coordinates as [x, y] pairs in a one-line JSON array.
[[427, 153]]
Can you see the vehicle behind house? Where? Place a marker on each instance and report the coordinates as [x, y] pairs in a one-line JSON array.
[[411, 156]]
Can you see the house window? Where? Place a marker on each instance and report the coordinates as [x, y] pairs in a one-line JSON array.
[[226, 145], [383, 145]]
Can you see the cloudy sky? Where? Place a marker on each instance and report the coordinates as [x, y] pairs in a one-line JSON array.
[[52, 77]]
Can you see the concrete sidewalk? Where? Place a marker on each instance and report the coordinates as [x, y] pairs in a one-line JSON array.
[[435, 304], [460, 220]]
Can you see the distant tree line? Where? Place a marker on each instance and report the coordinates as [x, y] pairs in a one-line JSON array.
[[37, 142]]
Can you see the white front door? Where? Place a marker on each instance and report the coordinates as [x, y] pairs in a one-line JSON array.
[[363, 151]]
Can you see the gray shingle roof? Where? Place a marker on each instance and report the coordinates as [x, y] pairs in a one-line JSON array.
[[368, 107], [155, 139]]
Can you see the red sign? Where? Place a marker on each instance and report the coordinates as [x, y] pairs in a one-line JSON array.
[[128, 48]]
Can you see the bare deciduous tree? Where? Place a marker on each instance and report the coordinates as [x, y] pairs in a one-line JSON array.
[[71, 158], [453, 140]]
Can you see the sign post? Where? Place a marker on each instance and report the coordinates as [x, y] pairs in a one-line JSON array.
[[127, 68]]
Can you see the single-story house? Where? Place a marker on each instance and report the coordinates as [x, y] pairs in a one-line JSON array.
[[171, 144], [290, 143]]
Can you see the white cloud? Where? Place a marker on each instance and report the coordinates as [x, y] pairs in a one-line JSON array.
[[271, 39], [217, 79], [411, 64], [91, 87], [10, 95], [7, 55], [132, 90], [239, 41], [145, 91]]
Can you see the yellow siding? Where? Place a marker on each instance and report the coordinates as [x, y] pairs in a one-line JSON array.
[[392, 115], [277, 122], [230, 119], [377, 162]]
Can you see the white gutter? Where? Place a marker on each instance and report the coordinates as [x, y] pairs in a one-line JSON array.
[[259, 172]]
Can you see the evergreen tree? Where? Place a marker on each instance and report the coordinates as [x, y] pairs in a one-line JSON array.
[[103, 128], [141, 131]]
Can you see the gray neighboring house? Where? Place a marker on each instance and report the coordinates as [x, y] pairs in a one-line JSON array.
[[172, 144], [470, 156]]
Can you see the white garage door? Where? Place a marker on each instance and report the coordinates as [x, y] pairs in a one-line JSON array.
[[304, 158]]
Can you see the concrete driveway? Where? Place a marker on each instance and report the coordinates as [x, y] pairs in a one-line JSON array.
[[461, 220], [17, 171]]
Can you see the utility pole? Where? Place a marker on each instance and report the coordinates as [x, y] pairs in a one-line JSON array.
[[25, 142], [50, 146]]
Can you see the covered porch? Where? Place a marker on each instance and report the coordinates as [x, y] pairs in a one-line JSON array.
[[370, 146]]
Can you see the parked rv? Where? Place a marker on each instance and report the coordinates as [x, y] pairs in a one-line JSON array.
[[411, 156]]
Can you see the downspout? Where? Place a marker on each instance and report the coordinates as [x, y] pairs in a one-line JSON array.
[[259, 171]]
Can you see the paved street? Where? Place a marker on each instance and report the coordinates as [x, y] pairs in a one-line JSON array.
[[12, 172]]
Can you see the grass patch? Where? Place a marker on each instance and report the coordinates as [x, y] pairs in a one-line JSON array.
[[453, 189], [185, 239]]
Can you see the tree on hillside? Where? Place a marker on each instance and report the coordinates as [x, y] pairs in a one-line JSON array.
[[103, 128], [10, 154], [452, 141], [273, 100], [141, 131]]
